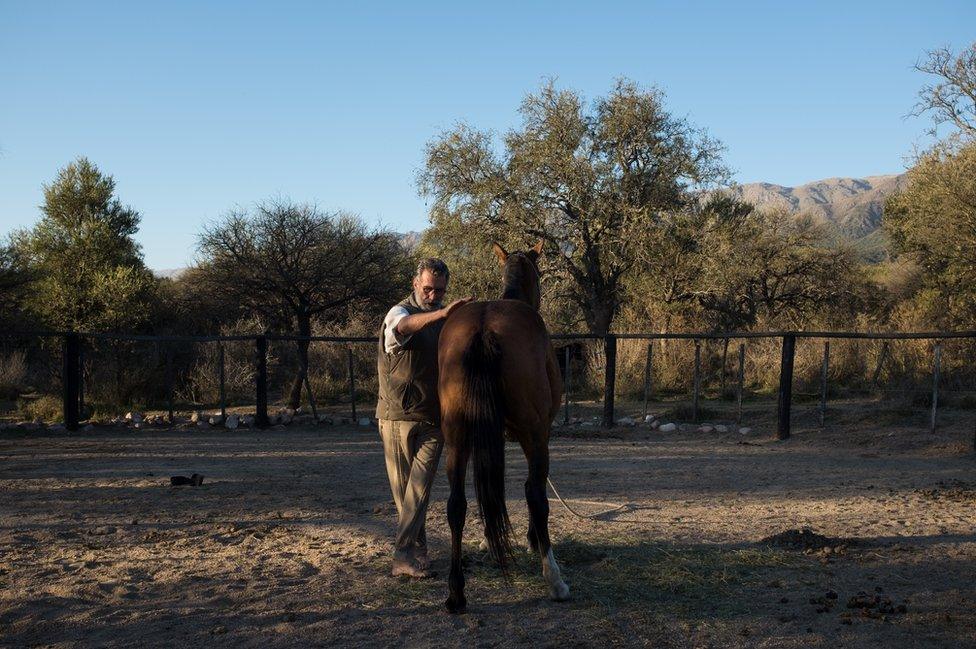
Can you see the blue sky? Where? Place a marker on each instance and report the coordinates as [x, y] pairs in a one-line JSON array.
[[196, 108]]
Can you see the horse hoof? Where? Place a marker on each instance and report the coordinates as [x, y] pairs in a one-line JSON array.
[[559, 593], [455, 607]]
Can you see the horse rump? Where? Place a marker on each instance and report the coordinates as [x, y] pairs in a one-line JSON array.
[[483, 417]]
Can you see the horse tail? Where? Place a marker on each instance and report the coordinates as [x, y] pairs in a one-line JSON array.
[[484, 419]]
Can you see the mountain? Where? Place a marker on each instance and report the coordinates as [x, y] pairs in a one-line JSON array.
[[851, 207]]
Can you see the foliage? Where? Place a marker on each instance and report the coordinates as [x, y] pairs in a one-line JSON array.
[[597, 184], [89, 273], [933, 224], [292, 264], [951, 98]]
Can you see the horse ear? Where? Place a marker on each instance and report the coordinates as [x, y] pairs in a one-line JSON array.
[[537, 248], [500, 253]]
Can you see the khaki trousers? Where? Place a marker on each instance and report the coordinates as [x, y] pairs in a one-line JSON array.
[[412, 450]]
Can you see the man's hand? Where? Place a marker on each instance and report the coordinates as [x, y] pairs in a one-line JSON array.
[[455, 305]]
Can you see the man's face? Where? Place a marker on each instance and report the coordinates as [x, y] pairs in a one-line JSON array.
[[429, 290]]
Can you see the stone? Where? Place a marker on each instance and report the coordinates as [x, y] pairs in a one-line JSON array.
[[248, 421], [289, 412], [655, 425], [721, 429], [745, 430], [668, 428], [216, 420], [285, 419], [233, 421], [706, 429], [649, 418], [325, 419], [201, 424], [364, 421], [625, 421]]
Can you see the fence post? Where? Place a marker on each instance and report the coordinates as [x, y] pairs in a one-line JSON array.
[[825, 367], [566, 385], [610, 378], [223, 392], [785, 386], [648, 366], [738, 390], [936, 369], [697, 383], [169, 381], [69, 380], [261, 382], [81, 380], [352, 385]]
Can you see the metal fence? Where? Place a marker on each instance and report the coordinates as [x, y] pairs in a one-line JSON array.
[[74, 347]]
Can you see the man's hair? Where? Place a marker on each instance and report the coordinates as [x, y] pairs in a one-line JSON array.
[[435, 266]]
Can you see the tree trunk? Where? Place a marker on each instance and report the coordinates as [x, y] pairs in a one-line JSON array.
[[295, 392]]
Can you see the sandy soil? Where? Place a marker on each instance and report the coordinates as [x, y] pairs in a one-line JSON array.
[[287, 542]]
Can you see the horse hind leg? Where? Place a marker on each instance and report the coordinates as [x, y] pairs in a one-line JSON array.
[[538, 502], [457, 508]]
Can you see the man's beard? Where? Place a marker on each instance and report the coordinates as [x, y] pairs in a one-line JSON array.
[[427, 306]]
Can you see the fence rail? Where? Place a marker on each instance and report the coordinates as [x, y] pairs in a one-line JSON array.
[[73, 355]]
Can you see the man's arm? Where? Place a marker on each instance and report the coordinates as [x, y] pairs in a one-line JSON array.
[[411, 324]]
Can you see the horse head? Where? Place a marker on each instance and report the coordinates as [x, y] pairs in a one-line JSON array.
[[521, 274]]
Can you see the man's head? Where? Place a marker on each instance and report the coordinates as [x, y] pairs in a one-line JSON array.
[[430, 283]]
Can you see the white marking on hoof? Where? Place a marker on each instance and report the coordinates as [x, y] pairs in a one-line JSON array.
[[558, 589]]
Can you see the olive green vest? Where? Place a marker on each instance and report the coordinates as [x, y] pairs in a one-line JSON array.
[[408, 375]]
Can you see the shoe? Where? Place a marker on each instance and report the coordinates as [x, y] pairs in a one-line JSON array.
[[409, 569]]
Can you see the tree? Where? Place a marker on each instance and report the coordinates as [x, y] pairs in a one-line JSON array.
[[598, 185], [292, 264], [951, 99], [15, 281], [89, 271], [933, 223]]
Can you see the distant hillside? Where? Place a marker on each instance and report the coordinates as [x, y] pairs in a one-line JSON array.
[[851, 206]]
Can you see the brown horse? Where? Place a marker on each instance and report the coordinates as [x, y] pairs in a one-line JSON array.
[[498, 372]]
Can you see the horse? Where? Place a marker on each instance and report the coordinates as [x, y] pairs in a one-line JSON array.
[[499, 377]]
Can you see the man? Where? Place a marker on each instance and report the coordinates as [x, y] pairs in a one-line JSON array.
[[408, 409]]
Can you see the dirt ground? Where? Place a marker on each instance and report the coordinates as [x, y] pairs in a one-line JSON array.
[[287, 541]]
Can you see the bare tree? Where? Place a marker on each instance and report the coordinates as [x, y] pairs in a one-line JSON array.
[[951, 99], [292, 263]]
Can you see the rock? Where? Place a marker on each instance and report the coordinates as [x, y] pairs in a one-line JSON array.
[[625, 421], [289, 412], [668, 428], [721, 428], [745, 431], [248, 421], [216, 420], [649, 418], [134, 416], [233, 421], [285, 419], [202, 424], [706, 429], [364, 421], [325, 419], [655, 425]]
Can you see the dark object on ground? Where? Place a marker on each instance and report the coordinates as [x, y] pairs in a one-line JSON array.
[[194, 480], [805, 539]]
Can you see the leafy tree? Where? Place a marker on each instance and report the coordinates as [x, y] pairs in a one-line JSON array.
[[933, 223], [951, 98], [89, 271], [598, 184], [15, 280], [292, 264]]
